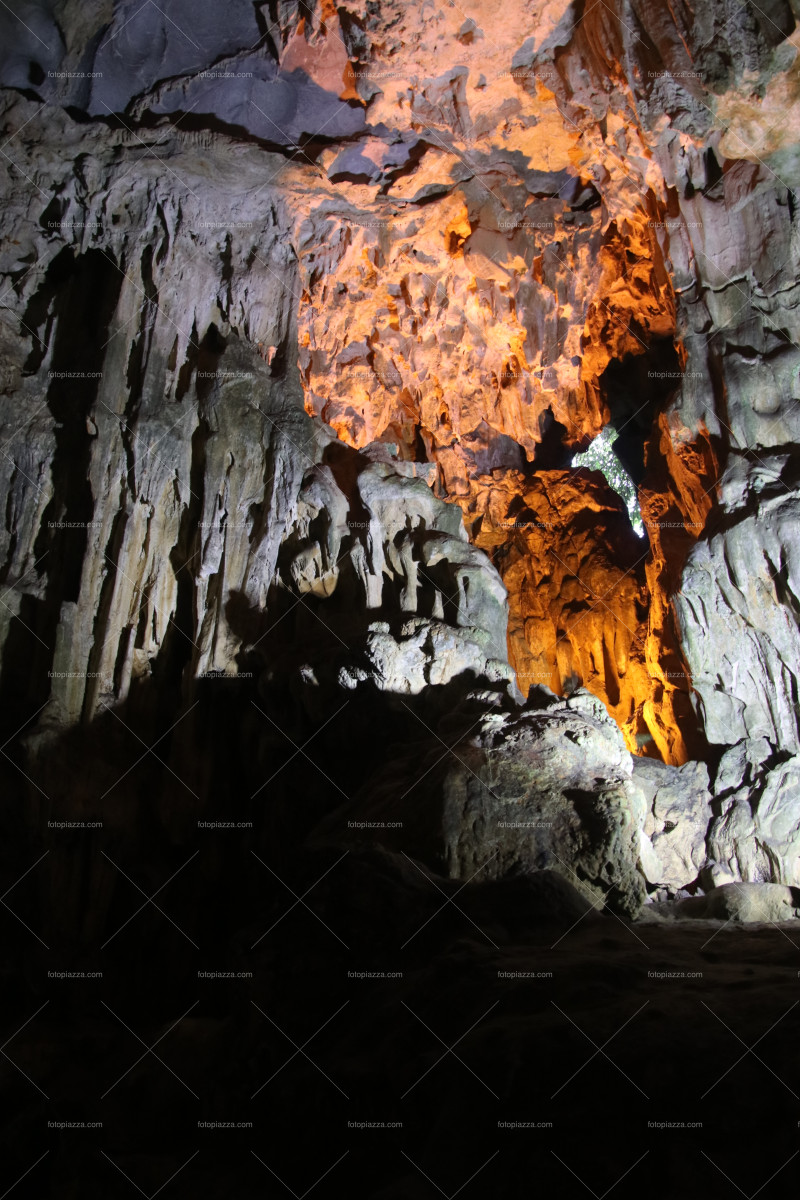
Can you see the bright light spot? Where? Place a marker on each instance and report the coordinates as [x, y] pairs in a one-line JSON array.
[[600, 457]]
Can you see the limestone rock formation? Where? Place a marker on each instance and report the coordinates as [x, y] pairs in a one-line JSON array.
[[510, 793], [308, 614], [755, 833], [744, 902], [463, 251], [673, 816]]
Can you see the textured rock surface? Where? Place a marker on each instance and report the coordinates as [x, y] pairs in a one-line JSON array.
[[305, 311], [497, 245], [545, 790], [513, 246], [673, 815], [746, 902], [755, 834]]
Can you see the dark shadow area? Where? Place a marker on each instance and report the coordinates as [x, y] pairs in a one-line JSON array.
[[71, 314], [636, 389]]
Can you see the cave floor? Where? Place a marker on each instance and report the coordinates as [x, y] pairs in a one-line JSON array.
[[379, 1032]]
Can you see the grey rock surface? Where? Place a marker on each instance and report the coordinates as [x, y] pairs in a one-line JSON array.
[[547, 789], [755, 833], [743, 902], [673, 814]]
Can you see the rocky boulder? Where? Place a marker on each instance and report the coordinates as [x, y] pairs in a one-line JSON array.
[[673, 810]]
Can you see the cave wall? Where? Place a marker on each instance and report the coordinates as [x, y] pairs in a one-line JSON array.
[[466, 274], [307, 622]]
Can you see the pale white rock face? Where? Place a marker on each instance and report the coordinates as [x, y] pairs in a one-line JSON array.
[[430, 653], [674, 809], [267, 335], [744, 902], [757, 836], [738, 622]]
